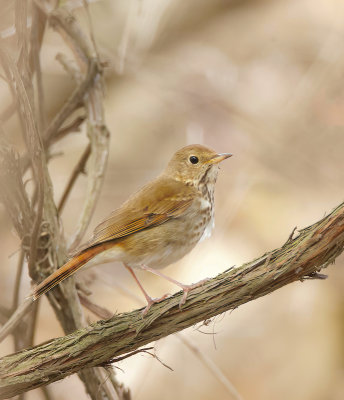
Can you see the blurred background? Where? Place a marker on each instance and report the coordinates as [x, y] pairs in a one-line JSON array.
[[262, 79]]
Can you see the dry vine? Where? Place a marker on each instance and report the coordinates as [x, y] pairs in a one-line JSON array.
[[34, 213]]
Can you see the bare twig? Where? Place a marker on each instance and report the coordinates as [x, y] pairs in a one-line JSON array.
[[132, 353], [152, 354], [63, 21], [316, 247], [72, 103], [70, 67], [60, 134], [32, 326], [34, 147], [37, 31], [90, 25], [16, 292], [123, 393], [213, 368], [74, 126], [79, 168], [290, 237], [106, 384], [19, 210], [101, 312], [16, 318], [99, 136]]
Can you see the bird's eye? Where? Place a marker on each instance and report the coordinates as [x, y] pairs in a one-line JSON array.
[[193, 159]]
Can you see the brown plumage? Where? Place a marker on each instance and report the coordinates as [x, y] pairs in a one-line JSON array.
[[157, 225]]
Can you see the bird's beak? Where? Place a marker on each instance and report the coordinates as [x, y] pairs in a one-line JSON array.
[[218, 158]]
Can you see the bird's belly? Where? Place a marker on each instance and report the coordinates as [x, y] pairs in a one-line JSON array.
[[167, 243]]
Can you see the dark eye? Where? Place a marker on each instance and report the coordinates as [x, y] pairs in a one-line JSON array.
[[193, 159]]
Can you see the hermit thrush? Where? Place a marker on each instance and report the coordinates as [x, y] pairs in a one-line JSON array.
[[156, 226]]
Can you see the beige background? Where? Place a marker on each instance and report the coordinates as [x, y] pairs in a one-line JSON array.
[[264, 81]]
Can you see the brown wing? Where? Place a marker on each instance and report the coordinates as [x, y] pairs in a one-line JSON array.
[[153, 205]]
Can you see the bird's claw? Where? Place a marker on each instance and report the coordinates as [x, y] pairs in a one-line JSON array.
[[187, 288], [151, 301]]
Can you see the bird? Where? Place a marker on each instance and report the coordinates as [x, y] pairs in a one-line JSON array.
[[157, 225]]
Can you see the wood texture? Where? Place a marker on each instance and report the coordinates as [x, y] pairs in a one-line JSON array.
[[301, 258]]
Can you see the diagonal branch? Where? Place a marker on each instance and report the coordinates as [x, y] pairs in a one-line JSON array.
[[301, 258]]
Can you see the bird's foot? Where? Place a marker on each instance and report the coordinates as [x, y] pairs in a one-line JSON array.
[[151, 301], [187, 288]]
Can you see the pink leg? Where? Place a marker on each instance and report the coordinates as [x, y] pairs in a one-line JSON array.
[[149, 300], [186, 288]]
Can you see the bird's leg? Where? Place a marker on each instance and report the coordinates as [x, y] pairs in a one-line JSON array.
[[186, 288], [149, 300]]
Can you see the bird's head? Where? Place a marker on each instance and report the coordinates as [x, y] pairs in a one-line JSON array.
[[195, 164]]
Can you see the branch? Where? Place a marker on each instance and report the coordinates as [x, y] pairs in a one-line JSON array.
[[316, 247], [42, 231], [97, 131]]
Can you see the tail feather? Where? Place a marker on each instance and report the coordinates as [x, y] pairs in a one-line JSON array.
[[68, 269]]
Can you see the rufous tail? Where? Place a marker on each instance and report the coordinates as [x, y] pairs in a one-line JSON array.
[[68, 269]]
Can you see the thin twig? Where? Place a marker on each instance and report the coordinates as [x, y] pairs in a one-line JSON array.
[[63, 21], [123, 393], [72, 103], [213, 368], [33, 322], [132, 353], [101, 312], [74, 126], [60, 134], [15, 318], [37, 32], [70, 67], [78, 169], [90, 25], [17, 283], [34, 147], [36, 229], [99, 136], [106, 384], [290, 237]]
